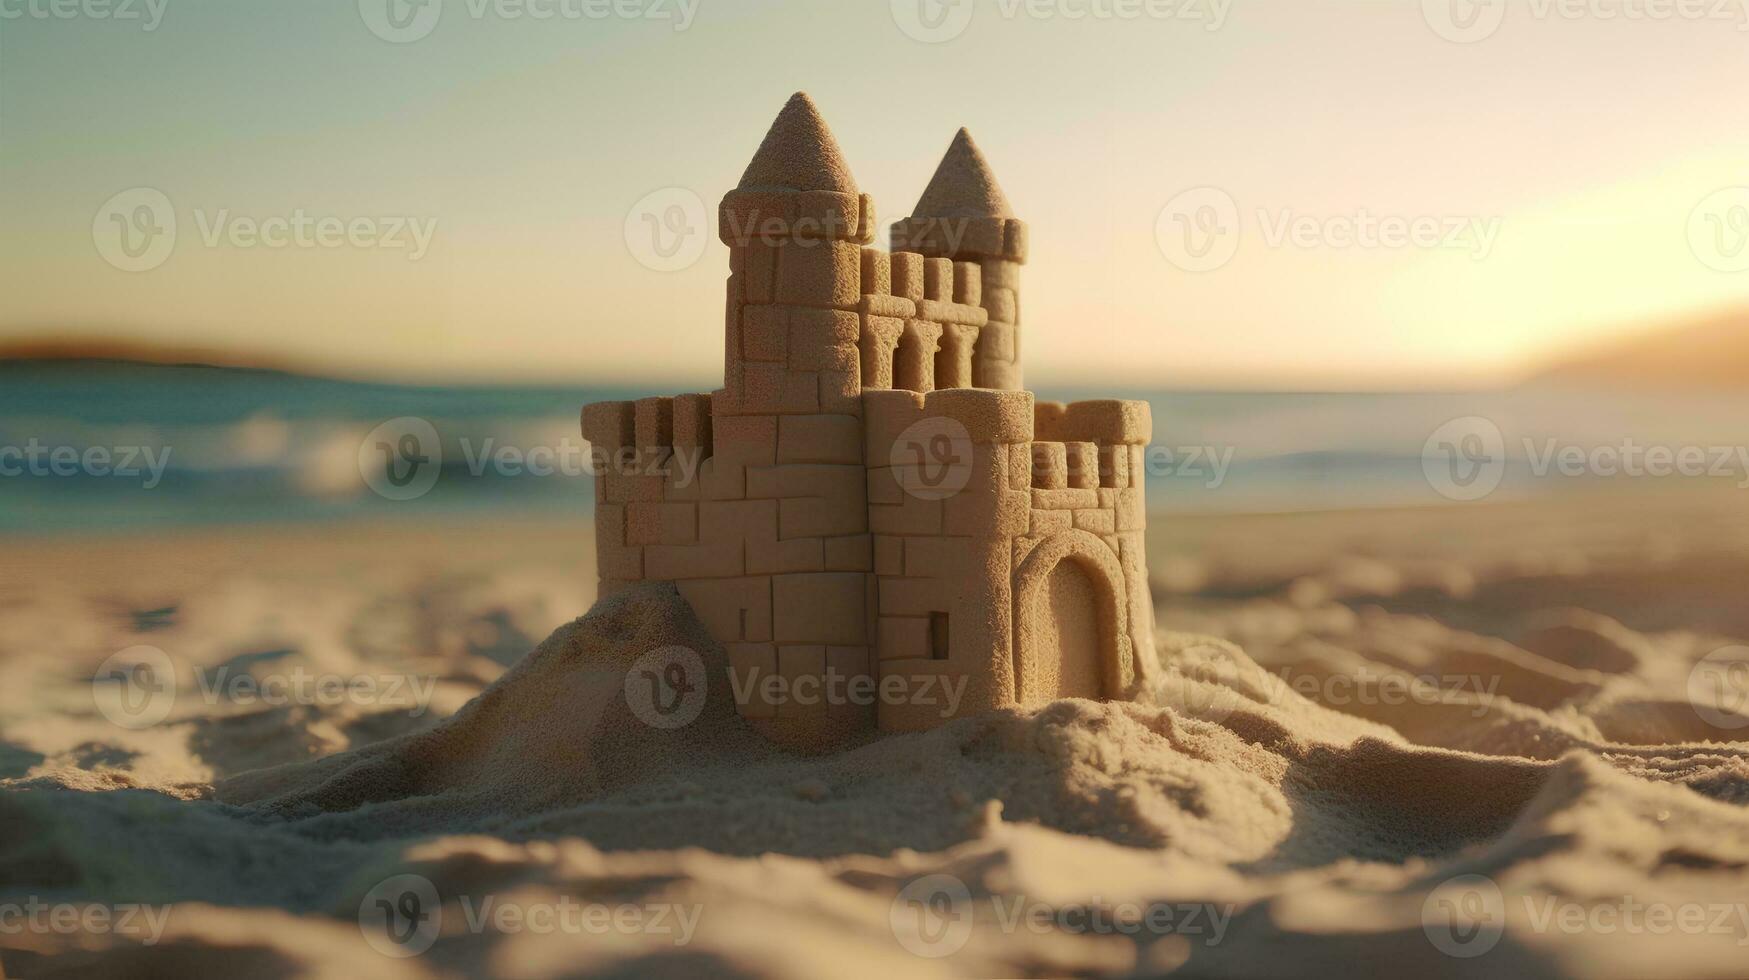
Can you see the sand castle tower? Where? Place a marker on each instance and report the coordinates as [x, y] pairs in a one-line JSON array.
[[883, 529], [964, 216]]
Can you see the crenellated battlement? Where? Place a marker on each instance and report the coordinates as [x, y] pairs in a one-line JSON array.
[[921, 321], [873, 493], [1115, 430], [655, 427], [1108, 422]]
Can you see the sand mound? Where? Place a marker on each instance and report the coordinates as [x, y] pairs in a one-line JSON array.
[[1287, 824], [1313, 782], [555, 730]]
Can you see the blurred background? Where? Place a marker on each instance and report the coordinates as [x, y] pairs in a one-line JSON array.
[[1357, 254], [1441, 306]]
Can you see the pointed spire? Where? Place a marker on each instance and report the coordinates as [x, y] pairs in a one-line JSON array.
[[963, 186], [799, 154]]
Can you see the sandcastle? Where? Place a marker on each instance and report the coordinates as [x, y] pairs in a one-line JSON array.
[[876, 512]]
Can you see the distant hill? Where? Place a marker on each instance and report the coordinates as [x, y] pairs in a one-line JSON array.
[[117, 384], [103, 350], [1709, 353]]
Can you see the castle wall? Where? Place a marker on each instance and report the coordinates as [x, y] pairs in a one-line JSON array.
[[1119, 432], [942, 557], [961, 556], [804, 549]]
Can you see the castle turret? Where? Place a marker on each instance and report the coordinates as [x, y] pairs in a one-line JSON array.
[[964, 216], [787, 491], [795, 227]]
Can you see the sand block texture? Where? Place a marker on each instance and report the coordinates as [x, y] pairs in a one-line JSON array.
[[880, 510]]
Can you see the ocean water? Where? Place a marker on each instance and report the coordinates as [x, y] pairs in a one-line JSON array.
[[101, 446]]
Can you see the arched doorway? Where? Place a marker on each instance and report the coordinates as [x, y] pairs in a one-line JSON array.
[[1070, 631], [1070, 612]]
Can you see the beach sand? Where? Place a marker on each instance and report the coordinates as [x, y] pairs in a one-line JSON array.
[[1479, 741]]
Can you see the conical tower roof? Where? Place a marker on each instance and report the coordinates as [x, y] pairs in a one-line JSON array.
[[963, 186], [799, 154]]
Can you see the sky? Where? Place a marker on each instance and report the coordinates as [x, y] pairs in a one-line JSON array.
[[1281, 193]]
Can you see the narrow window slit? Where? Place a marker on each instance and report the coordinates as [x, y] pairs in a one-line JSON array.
[[938, 635]]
